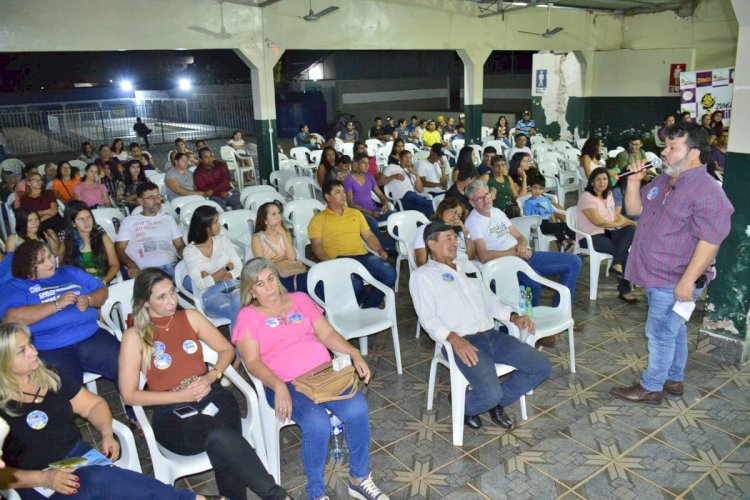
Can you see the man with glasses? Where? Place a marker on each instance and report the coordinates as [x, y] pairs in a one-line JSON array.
[[495, 236], [149, 239]]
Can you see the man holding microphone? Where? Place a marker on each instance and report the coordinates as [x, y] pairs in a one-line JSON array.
[[685, 216]]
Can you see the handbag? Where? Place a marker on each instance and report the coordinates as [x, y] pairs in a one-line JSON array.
[[323, 383]]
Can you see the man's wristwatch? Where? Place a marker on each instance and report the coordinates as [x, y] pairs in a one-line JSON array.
[[219, 374], [227, 269]]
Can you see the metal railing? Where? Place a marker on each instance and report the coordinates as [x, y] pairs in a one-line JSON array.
[[53, 130]]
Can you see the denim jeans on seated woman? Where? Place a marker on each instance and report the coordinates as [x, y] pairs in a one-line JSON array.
[[219, 302]]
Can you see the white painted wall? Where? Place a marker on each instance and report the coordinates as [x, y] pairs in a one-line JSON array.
[[636, 73]]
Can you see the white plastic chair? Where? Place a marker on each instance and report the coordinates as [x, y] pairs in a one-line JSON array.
[[503, 272], [117, 307], [436, 199], [301, 188], [180, 273], [229, 156], [401, 227], [541, 240], [537, 139], [279, 178], [595, 258], [299, 213], [168, 466], [238, 225], [342, 309], [292, 164], [612, 153], [80, 164], [252, 202], [411, 147], [105, 217], [459, 384], [419, 155], [562, 146], [181, 201], [186, 214], [300, 154]]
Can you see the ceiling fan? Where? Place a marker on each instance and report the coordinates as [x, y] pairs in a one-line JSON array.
[[222, 34], [314, 16], [549, 32]]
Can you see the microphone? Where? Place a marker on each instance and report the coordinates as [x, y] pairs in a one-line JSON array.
[[631, 172]]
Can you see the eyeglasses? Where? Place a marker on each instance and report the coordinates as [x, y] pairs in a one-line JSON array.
[[153, 198], [484, 197]]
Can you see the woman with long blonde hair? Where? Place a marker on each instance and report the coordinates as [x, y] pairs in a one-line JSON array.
[[165, 344]]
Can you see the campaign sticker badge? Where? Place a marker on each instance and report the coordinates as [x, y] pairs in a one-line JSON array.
[[295, 318], [37, 420], [448, 277], [272, 322], [190, 347], [652, 193], [163, 361], [159, 347]]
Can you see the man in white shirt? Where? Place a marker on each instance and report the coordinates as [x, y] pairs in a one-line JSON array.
[[149, 239], [520, 146], [455, 308], [405, 190], [432, 170], [495, 236]]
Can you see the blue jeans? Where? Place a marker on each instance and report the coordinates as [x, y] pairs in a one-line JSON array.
[[496, 346], [381, 270], [412, 201], [296, 283], [233, 201], [316, 431], [567, 265], [667, 339], [385, 242], [98, 354], [218, 304], [99, 482]]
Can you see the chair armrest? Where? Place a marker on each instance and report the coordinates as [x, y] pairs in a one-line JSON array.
[[128, 450]]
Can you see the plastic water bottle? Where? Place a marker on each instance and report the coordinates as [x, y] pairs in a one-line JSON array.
[[337, 448], [522, 301], [528, 299]]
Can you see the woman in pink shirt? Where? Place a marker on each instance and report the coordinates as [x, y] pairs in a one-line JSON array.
[[92, 192], [282, 335], [611, 232]]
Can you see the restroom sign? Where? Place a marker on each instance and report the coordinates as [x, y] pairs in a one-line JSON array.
[[540, 84], [675, 70]]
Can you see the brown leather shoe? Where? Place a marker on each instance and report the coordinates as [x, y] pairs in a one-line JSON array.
[[546, 341], [674, 387], [636, 394]]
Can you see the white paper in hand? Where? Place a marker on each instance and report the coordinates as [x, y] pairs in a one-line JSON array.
[[684, 309]]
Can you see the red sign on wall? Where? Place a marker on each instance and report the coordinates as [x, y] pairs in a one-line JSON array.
[[674, 77]]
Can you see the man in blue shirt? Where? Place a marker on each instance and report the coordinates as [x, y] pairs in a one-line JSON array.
[[526, 125]]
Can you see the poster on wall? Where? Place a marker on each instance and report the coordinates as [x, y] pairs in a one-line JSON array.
[[705, 92], [541, 82], [675, 70]]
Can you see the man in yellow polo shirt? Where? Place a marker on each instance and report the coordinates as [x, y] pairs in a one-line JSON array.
[[431, 135], [338, 231]]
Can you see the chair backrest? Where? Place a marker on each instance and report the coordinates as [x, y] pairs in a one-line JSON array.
[[181, 201], [419, 155], [486, 131], [300, 188], [437, 199], [238, 223], [458, 144], [180, 273], [561, 146], [373, 146], [502, 275], [299, 213], [538, 139], [250, 190], [292, 164], [335, 274], [186, 213], [257, 199], [347, 148], [411, 147], [118, 306], [80, 164], [315, 157], [548, 167], [524, 225], [300, 154], [109, 219], [612, 153], [278, 178], [499, 146], [403, 225]]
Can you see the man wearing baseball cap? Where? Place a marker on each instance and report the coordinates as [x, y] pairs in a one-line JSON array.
[[456, 309], [526, 125]]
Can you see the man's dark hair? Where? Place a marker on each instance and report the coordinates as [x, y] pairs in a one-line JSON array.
[[344, 160], [133, 145], [537, 180], [178, 157], [489, 149], [519, 134], [145, 186], [200, 152], [636, 137], [401, 120], [302, 126], [377, 118], [697, 138], [329, 185], [668, 115], [497, 159], [413, 117], [178, 140], [403, 153], [360, 156]]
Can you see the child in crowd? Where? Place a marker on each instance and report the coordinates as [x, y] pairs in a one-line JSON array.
[[552, 223]]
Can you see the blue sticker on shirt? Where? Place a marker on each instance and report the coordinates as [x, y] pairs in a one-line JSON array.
[[652, 193], [448, 277], [190, 347], [37, 420], [295, 318], [159, 347], [163, 361], [272, 322]]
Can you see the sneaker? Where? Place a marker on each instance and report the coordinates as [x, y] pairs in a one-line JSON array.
[[366, 490]]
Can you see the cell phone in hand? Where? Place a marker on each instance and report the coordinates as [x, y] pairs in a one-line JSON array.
[[185, 411]]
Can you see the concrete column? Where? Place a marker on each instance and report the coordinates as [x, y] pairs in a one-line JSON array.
[[473, 60], [725, 325], [261, 63]]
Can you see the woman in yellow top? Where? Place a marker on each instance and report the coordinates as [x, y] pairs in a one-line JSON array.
[[65, 182]]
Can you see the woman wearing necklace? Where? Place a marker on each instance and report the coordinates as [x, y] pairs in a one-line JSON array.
[[87, 246], [40, 407], [165, 344], [65, 182]]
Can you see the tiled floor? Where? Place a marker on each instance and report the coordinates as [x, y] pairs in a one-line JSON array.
[[577, 442]]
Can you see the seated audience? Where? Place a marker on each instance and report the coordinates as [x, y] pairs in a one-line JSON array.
[[350, 134], [400, 132], [467, 172], [87, 153], [501, 184], [716, 122], [501, 130], [237, 142], [520, 146], [277, 352], [143, 157], [372, 166], [212, 178], [718, 157], [590, 156], [360, 187], [552, 222], [61, 308], [418, 132], [65, 182], [106, 158], [488, 154], [28, 229], [453, 213], [433, 170], [669, 121], [393, 157], [90, 191], [341, 170], [327, 163], [50, 172], [179, 147], [495, 236], [305, 139], [179, 180], [165, 346], [272, 241], [149, 239], [405, 189], [113, 182], [526, 125], [455, 308], [43, 202], [41, 405], [378, 131], [338, 231], [134, 176], [118, 150], [213, 265], [706, 125], [633, 154], [87, 245], [431, 135], [23, 184], [610, 232], [519, 170]]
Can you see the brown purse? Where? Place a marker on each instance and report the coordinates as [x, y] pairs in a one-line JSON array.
[[323, 383]]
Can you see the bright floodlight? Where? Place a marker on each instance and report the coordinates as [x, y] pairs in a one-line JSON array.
[[126, 85], [184, 84]]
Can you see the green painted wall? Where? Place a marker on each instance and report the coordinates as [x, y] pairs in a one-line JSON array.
[[728, 299], [267, 146], [473, 132]]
